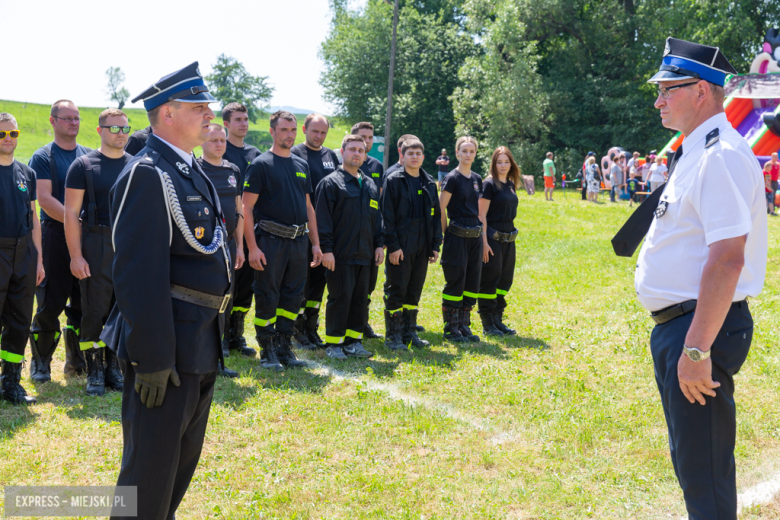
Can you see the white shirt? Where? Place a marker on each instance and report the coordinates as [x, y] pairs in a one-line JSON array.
[[184, 155], [714, 194], [657, 171]]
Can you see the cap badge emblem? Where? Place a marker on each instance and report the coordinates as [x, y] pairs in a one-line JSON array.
[[232, 180], [183, 168], [199, 232], [660, 211]]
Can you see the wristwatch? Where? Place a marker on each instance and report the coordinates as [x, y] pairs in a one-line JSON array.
[[695, 354]]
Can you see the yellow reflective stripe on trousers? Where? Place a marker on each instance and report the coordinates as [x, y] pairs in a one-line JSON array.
[[410, 307], [265, 323], [86, 345], [287, 314], [10, 357], [452, 298], [312, 304], [353, 334], [334, 340], [395, 310], [487, 296], [240, 309], [501, 292], [74, 329], [470, 294]]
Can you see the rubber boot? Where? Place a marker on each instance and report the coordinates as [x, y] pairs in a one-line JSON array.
[[10, 388], [268, 357], [113, 375], [393, 334], [285, 354], [300, 338], [498, 320], [312, 324], [451, 324], [42, 346], [488, 325], [75, 365], [465, 325], [237, 340], [96, 377], [410, 329]]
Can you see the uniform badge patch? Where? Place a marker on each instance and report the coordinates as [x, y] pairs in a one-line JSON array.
[[21, 185], [661, 209], [232, 180], [476, 187], [374, 204], [183, 168], [199, 232], [206, 210]]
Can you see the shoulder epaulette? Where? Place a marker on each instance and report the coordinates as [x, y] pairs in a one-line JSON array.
[[712, 138]]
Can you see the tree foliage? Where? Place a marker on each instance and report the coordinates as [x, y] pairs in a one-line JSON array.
[[116, 92], [230, 82]]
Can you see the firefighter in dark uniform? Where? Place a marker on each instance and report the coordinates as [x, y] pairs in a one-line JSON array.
[[412, 220], [225, 178], [21, 266], [235, 117], [137, 141], [461, 256], [497, 211], [51, 164], [277, 207], [88, 233], [172, 284], [322, 161], [352, 239]]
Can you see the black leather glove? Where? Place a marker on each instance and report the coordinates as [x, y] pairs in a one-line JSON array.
[[152, 386]]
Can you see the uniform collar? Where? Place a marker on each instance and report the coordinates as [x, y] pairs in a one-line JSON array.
[[184, 155], [348, 176], [717, 121]]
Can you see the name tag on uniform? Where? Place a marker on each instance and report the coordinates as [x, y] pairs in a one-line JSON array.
[[419, 192], [375, 204], [431, 211], [300, 174], [194, 199], [375, 175]]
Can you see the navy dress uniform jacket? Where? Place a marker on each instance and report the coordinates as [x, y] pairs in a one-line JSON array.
[[148, 328]]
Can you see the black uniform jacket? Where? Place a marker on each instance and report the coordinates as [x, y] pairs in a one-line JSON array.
[[348, 219], [137, 141], [397, 210], [147, 327]]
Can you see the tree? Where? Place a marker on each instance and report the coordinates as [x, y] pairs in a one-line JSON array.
[[116, 91], [230, 82]]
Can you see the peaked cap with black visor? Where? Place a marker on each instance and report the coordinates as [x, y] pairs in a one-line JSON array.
[[185, 85], [688, 60]]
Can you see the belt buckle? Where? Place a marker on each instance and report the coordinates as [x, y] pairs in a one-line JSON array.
[[225, 301], [297, 227]]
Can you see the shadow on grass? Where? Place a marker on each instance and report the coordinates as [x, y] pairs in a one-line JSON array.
[[14, 419]]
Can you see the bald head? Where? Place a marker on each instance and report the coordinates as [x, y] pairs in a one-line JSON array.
[[315, 128]]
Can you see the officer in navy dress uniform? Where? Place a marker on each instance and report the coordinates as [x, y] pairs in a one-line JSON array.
[[710, 224], [172, 282]]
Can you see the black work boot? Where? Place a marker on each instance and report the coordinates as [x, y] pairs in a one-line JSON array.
[[226, 372], [10, 388], [96, 377], [284, 352], [114, 379], [368, 332], [410, 329], [225, 342], [74, 356], [42, 345], [236, 333], [498, 319], [300, 338], [268, 357], [465, 325], [393, 334], [312, 324], [451, 317], [488, 325]]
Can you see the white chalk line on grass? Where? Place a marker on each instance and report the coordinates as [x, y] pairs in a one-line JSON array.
[[393, 392], [761, 493]]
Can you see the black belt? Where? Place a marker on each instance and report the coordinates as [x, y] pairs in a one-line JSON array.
[[200, 298], [465, 232], [13, 242], [504, 237], [681, 309], [98, 230], [282, 230]]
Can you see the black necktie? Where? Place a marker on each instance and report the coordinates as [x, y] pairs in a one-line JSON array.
[[636, 227]]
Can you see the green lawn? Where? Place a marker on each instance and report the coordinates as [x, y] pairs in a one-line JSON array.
[[563, 421]]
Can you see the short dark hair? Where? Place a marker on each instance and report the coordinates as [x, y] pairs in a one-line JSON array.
[[282, 114], [154, 114], [109, 112], [410, 144], [363, 125], [314, 116], [227, 112], [351, 138], [55, 108], [404, 138]]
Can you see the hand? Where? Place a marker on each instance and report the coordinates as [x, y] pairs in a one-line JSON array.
[[329, 261], [80, 268], [696, 379], [432, 259], [240, 258], [395, 258], [152, 386], [40, 275], [257, 259], [316, 254], [486, 252], [379, 255]]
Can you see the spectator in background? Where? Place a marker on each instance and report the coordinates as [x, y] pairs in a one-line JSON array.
[[583, 175], [549, 176], [443, 162], [657, 172], [593, 178], [774, 173], [770, 195], [617, 176], [634, 185], [632, 162]]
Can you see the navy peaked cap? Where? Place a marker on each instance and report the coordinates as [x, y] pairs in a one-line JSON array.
[[185, 85], [688, 60]]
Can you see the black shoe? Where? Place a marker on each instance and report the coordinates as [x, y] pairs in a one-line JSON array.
[[284, 352], [451, 317], [498, 319], [226, 372], [465, 325], [236, 339], [410, 329], [42, 345], [10, 388], [312, 323], [356, 350], [268, 357], [96, 377], [300, 338], [393, 331], [368, 332], [75, 365], [113, 375], [488, 326]]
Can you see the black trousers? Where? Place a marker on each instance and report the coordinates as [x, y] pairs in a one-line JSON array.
[[373, 275], [315, 288], [345, 313], [18, 269], [461, 261], [242, 286], [701, 438], [279, 288], [57, 288], [497, 276], [97, 290], [404, 282], [162, 445]]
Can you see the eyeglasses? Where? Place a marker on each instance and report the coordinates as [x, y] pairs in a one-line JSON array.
[[13, 133], [665, 92], [116, 129], [68, 119]]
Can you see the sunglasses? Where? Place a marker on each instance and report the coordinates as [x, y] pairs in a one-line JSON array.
[[116, 129], [13, 133], [666, 92]]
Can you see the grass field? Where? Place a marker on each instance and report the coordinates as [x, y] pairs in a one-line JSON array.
[[36, 130]]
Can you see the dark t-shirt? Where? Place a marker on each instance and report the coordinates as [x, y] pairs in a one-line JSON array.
[[503, 204], [282, 184], [137, 141], [390, 169], [417, 195], [241, 157], [463, 207], [321, 162], [225, 180], [104, 174], [443, 167], [633, 186], [374, 171], [63, 158], [17, 190]]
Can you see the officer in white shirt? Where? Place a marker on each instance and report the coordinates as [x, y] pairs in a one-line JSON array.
[[704, 255]]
